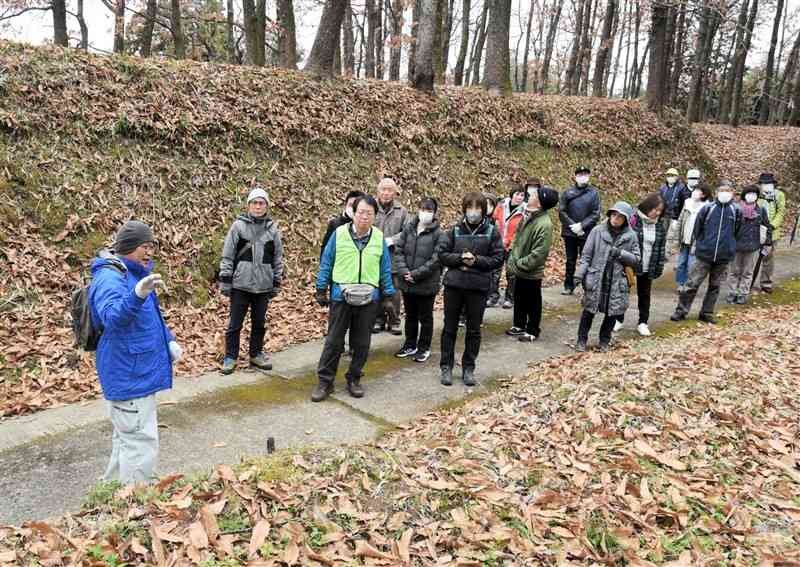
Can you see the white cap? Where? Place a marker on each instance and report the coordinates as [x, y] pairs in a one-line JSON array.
[[258, 193], [693, 174]]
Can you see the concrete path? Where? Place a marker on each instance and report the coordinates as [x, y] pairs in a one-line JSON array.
[[48, 461]]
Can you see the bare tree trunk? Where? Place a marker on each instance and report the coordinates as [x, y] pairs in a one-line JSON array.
[[396, 44], [80, 16], [619, 36], [475, 65], [447, 34], [60, 36], [370, 47], [321, 59], [423, 78], [552, 31], [784, 89], [612, 42], [458, 73], [694, 106], [379, 39], [677, 67], [573, 67], [438, 62], [794, 116], [598, 81], [740, 65], [412, 53], [586, 48], [635, 64], [657, 72], [497, 78], [287, 39], [119, 26], [726, 96], [146, 37], [230, 40], [637, 91], [523, 86], [348, 42], [176, 27], [766, 91]]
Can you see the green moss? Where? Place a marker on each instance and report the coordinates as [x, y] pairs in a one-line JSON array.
[[100, 495], [277, 467]]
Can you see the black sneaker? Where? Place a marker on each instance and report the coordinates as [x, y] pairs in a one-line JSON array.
[[708, 318], [378, 327], [677, 317], [493, 303], [604, 347], [462, 322], [580, 346], [405, 352], [515, 332], [741, 300], [355, 388], [468, 377], [422, 356], [527, 338], [321, 391], [447, 376], [396, 329]]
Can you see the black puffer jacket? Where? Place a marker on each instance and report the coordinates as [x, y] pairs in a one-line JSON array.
[[485, 244], [415, 253], [579, 204]]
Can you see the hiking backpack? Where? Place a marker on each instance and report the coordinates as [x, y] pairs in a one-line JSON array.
[[83, 330]]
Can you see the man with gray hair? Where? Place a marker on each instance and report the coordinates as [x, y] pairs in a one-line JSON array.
[[136, 351], [391, 220]]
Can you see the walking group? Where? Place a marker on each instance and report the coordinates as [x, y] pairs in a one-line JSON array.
[[376, 257]]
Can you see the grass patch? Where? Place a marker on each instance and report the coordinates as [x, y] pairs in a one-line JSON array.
[[101, 494]]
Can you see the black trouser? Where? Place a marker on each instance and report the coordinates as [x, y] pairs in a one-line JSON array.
[[644, 289], [341, 318], [573, 248], [381, 317], [528, 305], [455, 300], [419, 321], [606, 328], [241, 301]]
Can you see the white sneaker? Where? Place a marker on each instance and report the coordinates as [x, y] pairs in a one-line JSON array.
[[617, 326], [643, 329]]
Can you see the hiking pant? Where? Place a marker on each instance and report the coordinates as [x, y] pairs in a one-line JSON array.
[[511, 283], [241, 301], [380, 318], [494, 290], [768, 267], [455, 300], [700, 270], [740, 276], [606, 327], [644, 292], [573, 247], [528, 306], [134, 441], [341, 318], [419, 321], [683, 265]]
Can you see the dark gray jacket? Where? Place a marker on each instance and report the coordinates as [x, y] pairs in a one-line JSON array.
[[579, 204], [749, 237], [415, 253], [252, 256], [593, 262], [485, 244]]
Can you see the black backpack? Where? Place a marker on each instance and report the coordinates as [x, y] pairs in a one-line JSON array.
[[83, 330]]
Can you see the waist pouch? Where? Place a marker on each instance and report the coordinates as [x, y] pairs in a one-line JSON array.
[[357, 295]]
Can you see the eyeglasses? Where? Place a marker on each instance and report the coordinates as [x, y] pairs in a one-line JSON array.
[[149, 246]]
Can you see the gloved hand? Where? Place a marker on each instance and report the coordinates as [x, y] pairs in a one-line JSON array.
[[276, 289], [148, 284], [614, 253], [225, 289], [388, 307], [765, 250], [175, 351], [321, 295], [576, 228], [389, 241]]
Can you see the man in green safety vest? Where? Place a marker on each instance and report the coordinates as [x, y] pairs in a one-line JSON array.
[[357, 268]]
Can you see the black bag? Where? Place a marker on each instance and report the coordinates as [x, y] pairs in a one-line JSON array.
[[83, 330]]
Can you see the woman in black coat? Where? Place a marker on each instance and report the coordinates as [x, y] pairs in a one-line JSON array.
[[419, 273]]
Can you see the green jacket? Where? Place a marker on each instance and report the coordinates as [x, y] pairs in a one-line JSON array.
[[531, 246], [776, 212]]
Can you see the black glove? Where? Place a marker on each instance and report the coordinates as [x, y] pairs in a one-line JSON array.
[[276, 289], [321, 296], [388, 307], [614, 253], [225, 289]]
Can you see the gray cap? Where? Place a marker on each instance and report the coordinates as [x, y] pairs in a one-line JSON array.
[[622, 208], [132, 235]]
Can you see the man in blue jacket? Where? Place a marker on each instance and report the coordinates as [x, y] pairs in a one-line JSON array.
[[357, 268], [674, 193], [579, 211], [136, 350], [715, 231]]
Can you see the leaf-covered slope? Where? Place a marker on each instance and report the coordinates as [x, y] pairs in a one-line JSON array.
[[87, 142]]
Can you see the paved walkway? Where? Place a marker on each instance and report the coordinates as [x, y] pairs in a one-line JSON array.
[[49, 460]]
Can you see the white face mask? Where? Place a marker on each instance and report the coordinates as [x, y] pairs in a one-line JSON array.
[[697, 195], [348, 212], [489, 210], [474, 216], [671, 180], [425, 217], [769, 190], [582, 180], [692, 182], [724, 197], [751, 198]]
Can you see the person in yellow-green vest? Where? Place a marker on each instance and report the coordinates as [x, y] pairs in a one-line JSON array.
[[774, 201], [355, 281]]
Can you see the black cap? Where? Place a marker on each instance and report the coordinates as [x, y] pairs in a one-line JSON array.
[[583, 169], [767, 178], [548, 198], [132, 235]]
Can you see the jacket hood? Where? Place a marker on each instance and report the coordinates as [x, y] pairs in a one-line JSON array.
[[622, 208], [106, 257]]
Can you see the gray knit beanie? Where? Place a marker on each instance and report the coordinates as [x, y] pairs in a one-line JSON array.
[[132, 235]]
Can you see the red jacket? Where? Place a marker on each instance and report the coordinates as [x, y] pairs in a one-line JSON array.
[[507, 225]]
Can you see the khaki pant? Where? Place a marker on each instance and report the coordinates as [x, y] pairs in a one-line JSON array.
[[768, 267], [700, 271], [134, 442], [740, 276]]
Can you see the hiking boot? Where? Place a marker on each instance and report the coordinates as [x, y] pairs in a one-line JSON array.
[[604, 347], [422, 356], [567, 291], [462, 321], [508, 304], [468, 377], [766, 289], [228, 365], [617, 326], [405, 352], [355, 388], [643, 329], [527, 338], [321, 391], [395, 328], [261, 362], [708, 318], [731, 299], [515, 332], [447, 376], [494, 302], [378, 327], [580, 346], [741, 300], [677, 316]]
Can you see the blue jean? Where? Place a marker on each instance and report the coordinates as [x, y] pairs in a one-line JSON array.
[[683, 265]]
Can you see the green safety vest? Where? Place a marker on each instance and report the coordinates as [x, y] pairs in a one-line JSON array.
[[352, 266]]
